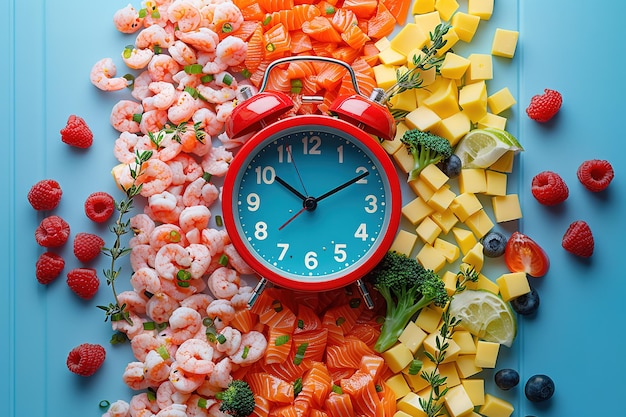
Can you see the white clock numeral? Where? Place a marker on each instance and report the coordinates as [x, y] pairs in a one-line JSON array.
[[340, 152], [254, 201], [361, 232], [282, 151], [284, 247], [340, 253], [311, 145], [372, 204], [310, 260], [265, 175], [361, 170], [260, 230]]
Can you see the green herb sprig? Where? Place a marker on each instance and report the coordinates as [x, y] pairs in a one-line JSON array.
[[114, 311]]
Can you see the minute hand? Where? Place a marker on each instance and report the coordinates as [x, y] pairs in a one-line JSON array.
[[342, 186]]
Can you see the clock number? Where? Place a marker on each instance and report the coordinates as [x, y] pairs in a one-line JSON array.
[[254, 201], [310, 260], [284, 247], [260, 230], [340, 153], [340, 253], [311, 145], [361, 170], [282, 151], [361, 232], [265, 175], [372, 205]]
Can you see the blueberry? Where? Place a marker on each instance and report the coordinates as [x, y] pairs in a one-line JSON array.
[[451, 166], [506, 379], [539, 388], [526, 304], [494, 244]]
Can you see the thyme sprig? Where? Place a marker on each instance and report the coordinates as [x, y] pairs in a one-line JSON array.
[[408, 80], [114, 311], [432, 405]]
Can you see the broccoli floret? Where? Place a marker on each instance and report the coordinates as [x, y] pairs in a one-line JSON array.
[[407, 287], [237, 400], [426, 148]]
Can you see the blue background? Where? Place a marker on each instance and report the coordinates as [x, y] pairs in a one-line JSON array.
[[50, 47]]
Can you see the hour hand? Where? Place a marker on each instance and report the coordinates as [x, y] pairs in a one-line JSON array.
[[290, 188]]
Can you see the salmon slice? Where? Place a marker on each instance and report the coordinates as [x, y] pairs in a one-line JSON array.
[[361, 388]]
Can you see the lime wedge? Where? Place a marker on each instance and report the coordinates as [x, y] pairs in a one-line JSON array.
[[485, 315], [482, 147]]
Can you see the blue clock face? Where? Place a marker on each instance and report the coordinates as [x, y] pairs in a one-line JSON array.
[[312, 203]]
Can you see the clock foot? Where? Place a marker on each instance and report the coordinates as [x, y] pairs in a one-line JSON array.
[[365, 294], [257, 292]]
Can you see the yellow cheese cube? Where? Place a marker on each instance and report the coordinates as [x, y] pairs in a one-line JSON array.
[[427, 22], [486, 354], [475, 389], [504, 163], [480, 8], [392, 146], [504, 43], [496, 183], [428, 230], [492, 120], [512, 285], [501, 100], [433, 176], [390, 56], [454, 127], [428, 319], [423, 6], [422, 118], [404, 101], [445, 220], [431, 258], [475, 257], [382, 44], [411, 36], [430, 345], [464, 238], [465, 340], [506, 207], [400, 413], [410, 404], [454, 66], [466, 366], [422, 188], [480, 68], [465, 25], [484, 283], [447, 249], [416, 382], [449, 279], [473, 100], [442, 198], [448, 370], [397, 357], [412, 336], [446, 8], [480, 223], [451, 39], [398, 385], [495, 407], [403, 159], [464, 205], [444, 101], [472, 180], [404, 242], [457, 401], [416, 210], [426, 76], [385, 75]]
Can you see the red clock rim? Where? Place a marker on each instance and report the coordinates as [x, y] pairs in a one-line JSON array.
[[384, 243]]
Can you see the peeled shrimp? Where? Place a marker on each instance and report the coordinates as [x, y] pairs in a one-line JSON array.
[[142, 226], [102, 75], [184, 15], [134, 376], [232, 342], [194, 409], [145, 279], [216, 96], [164, 234], [157, 369], [119, 408], [124, 114], [225, 110], [221, 377], [140, 86], [124, 147], [200, 192], [156, 176], [130, 329], [227, 17], [214, 240], [185, 170], [137, 58], [167, 394], [231, 51], [217, 161], [174, 410], [183, 381], [208, 121], [160, 307], [164, 95], [222, 312], [203, 39], [184, 322], [162, 67], [134, 302], [182, 53], [195, 356], [198, 302], [140, 403], [182, 109], [240, 300], [224, 283], [127, 19], [141, 256], [194, 217], [170, 259], [153, 121], [254, 343], [142, 344], [152, 36], [236, 261]]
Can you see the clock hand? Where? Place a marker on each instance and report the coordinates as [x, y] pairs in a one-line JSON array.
[[293, 162], [342, 186], [309, 204], [290, 188]]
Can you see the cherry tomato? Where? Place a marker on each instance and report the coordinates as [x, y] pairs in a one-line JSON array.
[[522, 254]]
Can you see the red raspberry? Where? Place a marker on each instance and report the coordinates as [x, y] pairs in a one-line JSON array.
[[99, 206], [86, 359], [87, 246], [578, 239], [77, 133], [84, 282], [48, 267], [53, 231], [595, 174], [549, 188], [543, 107], [45, 195]]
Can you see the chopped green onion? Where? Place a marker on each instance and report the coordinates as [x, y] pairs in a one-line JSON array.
[[142, 13], [378, 388], [131, 80], [211, 334], [297, 387], [281, 340], [117, 317], [155, 14], [183, 275], [207, 321], [246, 350], [162, 351], [277, 306], [227, 28], [162, 326], [151, 394], [330, 10], [267, 20], [297, 360], [128, 51], [270, 47], [296, 86], [223, 260], [340, 321], [175, 236], [137, 117], [221, 339], [118, 338], [202, 403], [246, 73], [193, 69], [191, 91], [300, 324], [157, 49], [149, 325], [218, 221], [415, 366], [206, 78], [207, 176], [337, 389], [228, 79], [104, 404], [183, 284]]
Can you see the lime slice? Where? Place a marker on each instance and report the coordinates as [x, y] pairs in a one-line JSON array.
[[485, 315], [482, 147]]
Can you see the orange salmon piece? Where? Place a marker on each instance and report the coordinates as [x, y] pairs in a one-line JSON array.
[[363, 9], [320, 28], [361, 388], [339, 405], [269, 386]]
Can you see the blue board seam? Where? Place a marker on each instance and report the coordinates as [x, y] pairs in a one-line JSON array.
[[11, 213]]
